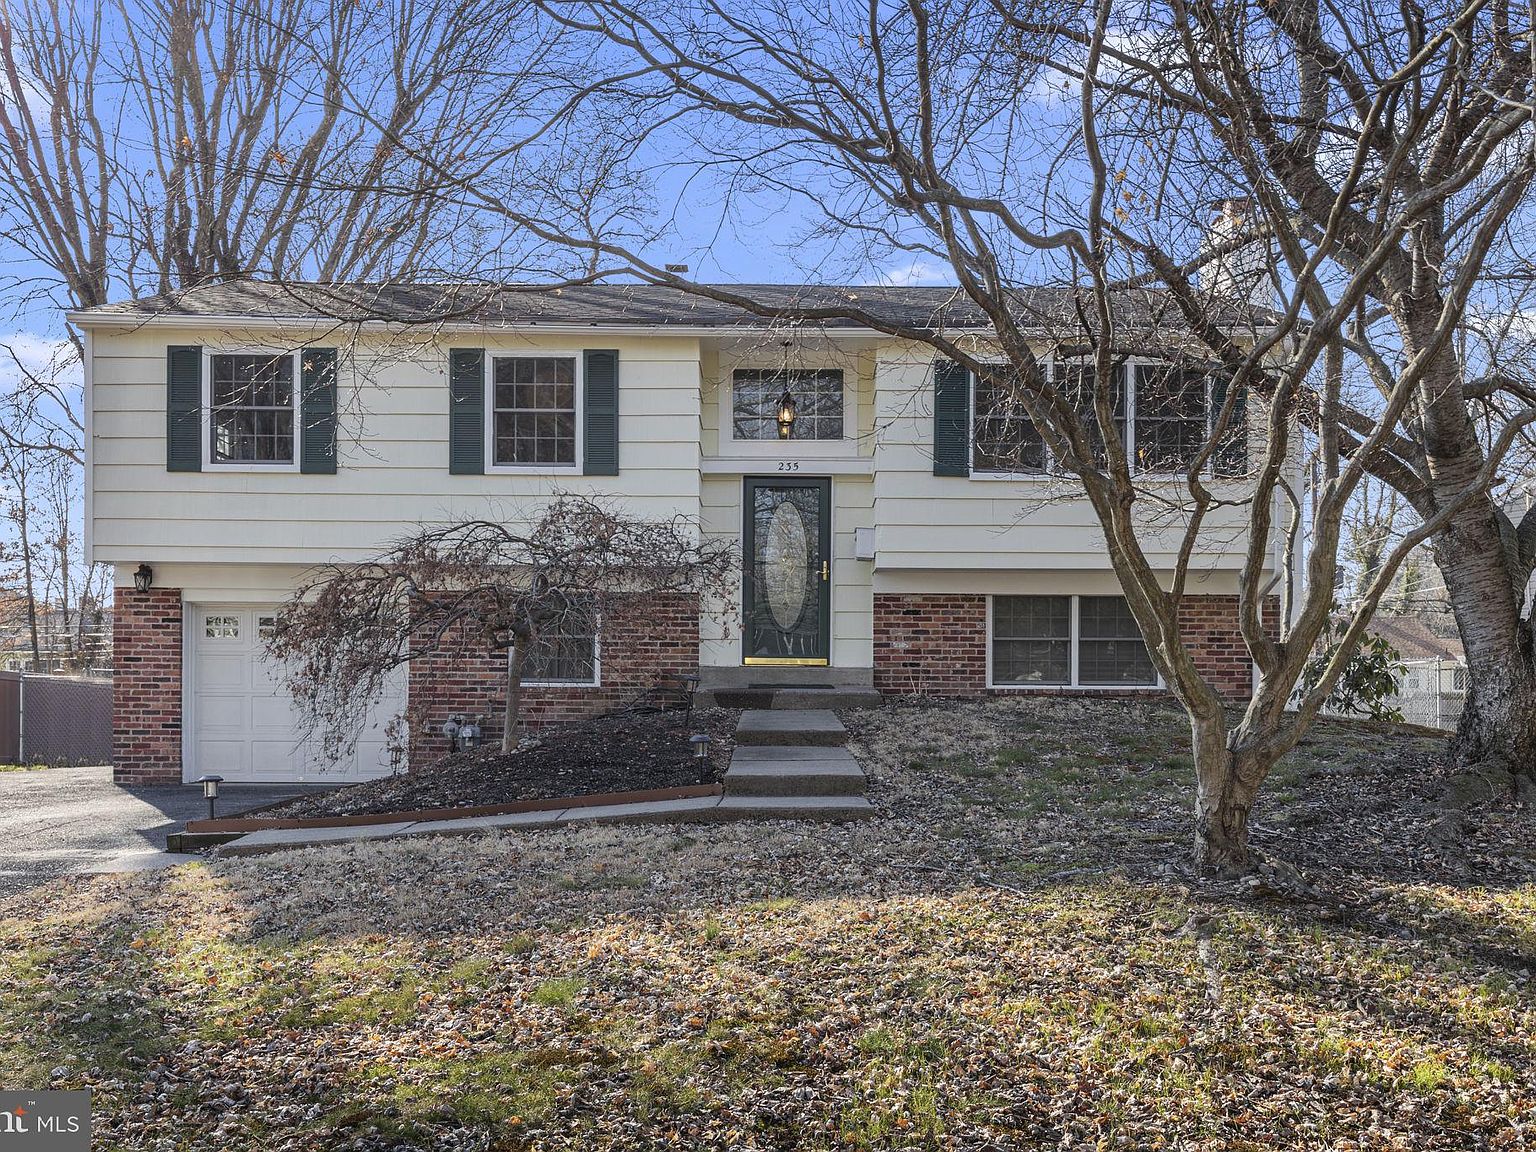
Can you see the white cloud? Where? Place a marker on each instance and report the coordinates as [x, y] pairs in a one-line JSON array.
[[42, 356], [916, 271]]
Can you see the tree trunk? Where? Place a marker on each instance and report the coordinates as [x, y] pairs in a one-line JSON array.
[[1226, 785], [509, 718], [31, 586], [1498, 719]]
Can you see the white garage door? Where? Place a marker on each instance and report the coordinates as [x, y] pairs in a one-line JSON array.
[[244, 725]]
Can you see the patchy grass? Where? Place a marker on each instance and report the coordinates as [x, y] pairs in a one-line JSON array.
[[1012, 956]]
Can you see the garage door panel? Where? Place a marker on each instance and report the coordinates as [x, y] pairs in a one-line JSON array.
[[280, 751], [223, 715], [269, 676], [270, 712], [223, 671], [227, 758]]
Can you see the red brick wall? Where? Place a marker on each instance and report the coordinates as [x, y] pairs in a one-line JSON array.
[[1209, 626], [146, 686], [930, 645], [935, 644], [642, 642]]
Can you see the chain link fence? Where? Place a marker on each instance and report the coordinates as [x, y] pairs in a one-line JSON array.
[[1432, 693], [55, 719]]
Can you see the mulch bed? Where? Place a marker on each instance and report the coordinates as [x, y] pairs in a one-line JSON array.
[[625, 752]]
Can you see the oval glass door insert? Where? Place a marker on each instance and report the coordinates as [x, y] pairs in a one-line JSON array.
[[786, 567]]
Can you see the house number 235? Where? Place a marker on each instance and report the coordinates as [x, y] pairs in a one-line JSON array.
[[789, 465]]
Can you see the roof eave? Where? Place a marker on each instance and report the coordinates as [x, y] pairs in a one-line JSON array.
[[91, 319]]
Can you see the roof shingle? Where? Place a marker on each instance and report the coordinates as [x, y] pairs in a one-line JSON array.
[[626, 305]]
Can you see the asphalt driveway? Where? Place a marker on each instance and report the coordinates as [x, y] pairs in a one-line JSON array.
[[59, 820]]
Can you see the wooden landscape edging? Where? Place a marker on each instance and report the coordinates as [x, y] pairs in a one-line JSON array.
[[247, 823]]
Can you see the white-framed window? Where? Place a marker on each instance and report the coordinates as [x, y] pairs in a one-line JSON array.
[[818, 393], [252, 403], [566, 653], [1162, 414], [533, 418], [1066, 642]]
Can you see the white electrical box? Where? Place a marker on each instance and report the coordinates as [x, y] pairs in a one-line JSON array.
[[863, 543]]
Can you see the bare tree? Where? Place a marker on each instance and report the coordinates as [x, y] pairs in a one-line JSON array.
[[1083, 147], [16, 466], [152, 145], [349, 627], [63, 598], [1388, 151]]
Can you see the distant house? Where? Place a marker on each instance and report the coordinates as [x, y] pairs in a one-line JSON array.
[[899, 531], [1426, 640], [1434, 686], [65, 643]]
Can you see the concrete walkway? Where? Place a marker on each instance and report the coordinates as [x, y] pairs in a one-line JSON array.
[[696, 809]]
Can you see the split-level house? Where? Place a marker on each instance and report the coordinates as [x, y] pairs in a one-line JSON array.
[[898, 537]]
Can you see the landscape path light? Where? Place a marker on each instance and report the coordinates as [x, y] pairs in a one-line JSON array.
[[210, 790]]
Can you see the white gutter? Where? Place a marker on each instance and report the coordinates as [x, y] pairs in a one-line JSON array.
[[119, 320]]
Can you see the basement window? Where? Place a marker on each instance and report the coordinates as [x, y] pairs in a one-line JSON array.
[[1066, 642]]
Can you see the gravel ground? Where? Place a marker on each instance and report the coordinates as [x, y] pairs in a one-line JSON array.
[[1013, 955]]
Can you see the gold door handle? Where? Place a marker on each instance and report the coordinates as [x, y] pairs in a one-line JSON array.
[[826, 570]]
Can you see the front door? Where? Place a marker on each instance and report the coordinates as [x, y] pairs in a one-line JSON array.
[[787, 598]]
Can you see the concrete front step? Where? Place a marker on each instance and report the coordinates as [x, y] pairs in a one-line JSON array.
[[768, 771], [809, 698], [811, 726], [769, 677], [802, 698]]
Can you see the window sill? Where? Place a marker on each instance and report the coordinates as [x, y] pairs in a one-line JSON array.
[[1024, 477], [269, 469], [561, 684], [532, 469], [1057, 688]]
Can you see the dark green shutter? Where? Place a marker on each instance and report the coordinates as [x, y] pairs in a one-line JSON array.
[[600, 456], [951, 419], [317, 410], [466, 411], [1231, 455], [183, 409]]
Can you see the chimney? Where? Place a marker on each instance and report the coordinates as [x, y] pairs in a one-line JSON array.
[[1235, 274]]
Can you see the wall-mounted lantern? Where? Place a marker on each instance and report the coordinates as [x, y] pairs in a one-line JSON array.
[[786, 415], [143, 578]]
